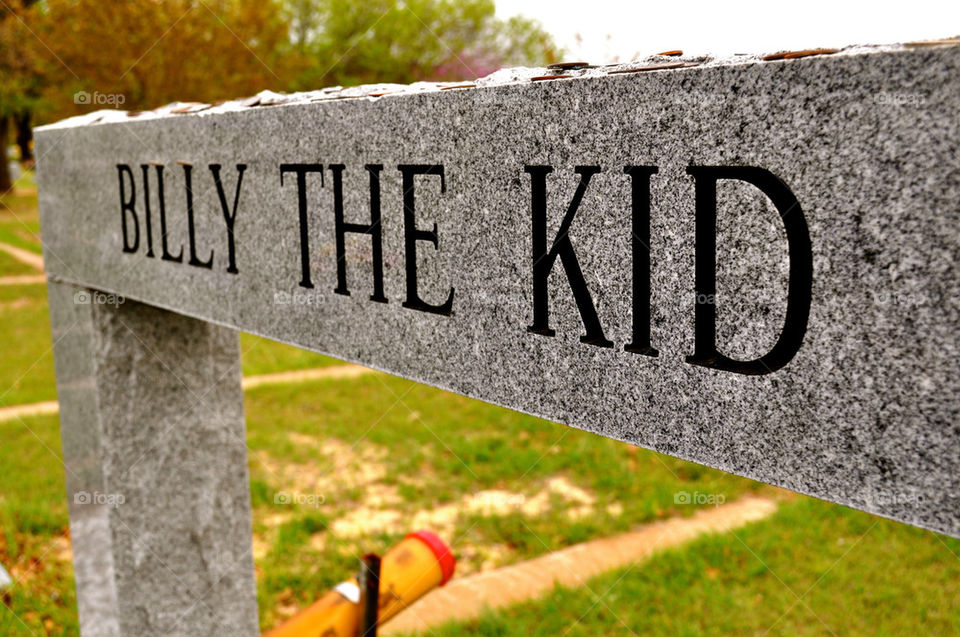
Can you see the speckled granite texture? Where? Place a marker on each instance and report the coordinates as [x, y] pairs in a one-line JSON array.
[[865, 414]]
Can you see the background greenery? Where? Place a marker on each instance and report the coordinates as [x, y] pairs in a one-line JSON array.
[[141, 54]]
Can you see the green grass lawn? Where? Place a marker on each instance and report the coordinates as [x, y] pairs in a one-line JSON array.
[[34, 532], [19, 207], [19, 220], [21, 235], [421, 451], [9, 266], [386, 449], [27, 374], [811, 569], [263, 356]]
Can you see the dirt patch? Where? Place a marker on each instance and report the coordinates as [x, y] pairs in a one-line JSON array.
[[274, 520], [261, 547], [365, 521], [24, 256], [351, 480], [28, 236], [380, 512], [286, 604], [578, 503], [477, 558], [30, 409], [382, 495], [318, 542], [263, 540], [62, 549], [23, 279], [338, 468], [304, 375], [19, 304]]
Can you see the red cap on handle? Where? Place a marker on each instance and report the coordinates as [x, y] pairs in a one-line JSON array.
[[440, 550]]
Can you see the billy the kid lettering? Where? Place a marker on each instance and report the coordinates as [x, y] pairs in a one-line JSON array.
[[550, 254]]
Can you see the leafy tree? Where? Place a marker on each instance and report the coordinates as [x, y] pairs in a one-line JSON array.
[[63, 57], [144, 53], [19, 82], [406, 41]]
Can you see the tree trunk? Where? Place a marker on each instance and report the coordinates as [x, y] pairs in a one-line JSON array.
[[6, 185], [24, 137]]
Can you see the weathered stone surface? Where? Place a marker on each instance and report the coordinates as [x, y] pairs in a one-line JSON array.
[[866, 412], [155, 458]]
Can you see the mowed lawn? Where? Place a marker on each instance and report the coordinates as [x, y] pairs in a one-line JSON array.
[[811, 569], [365, 460], [381, 467], [27, 370]]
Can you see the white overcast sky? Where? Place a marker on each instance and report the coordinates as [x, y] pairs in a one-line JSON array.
[[604, 31]]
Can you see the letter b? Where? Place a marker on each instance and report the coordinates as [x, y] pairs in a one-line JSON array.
[[128, 206]]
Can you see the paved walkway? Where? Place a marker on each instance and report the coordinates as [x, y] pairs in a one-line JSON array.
[[23, 279], [303, 375], [297, 376], [32, 259], [466, 598], [30, 409]]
